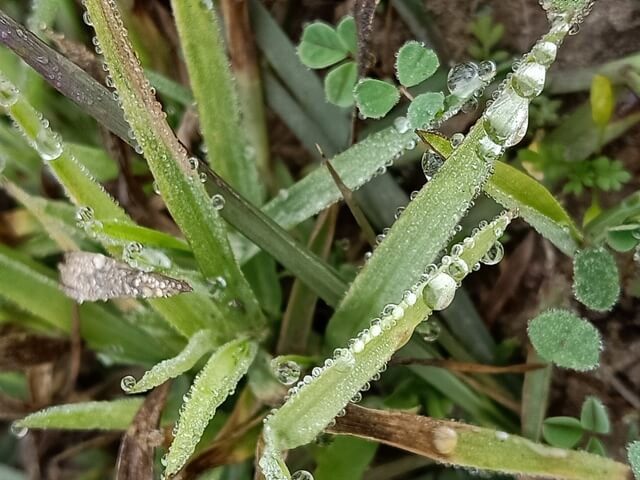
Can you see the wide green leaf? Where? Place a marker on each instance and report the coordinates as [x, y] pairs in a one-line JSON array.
[[321, 46], [375, 98], [565, 339], [415, 63], [596, 281], [564, 432], [339, 83]]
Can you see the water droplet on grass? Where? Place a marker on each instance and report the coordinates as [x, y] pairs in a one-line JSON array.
[[286, 371], [127, 383], [218, 201], [463, 79], [494, 255], [402, 124], [428, 330], [528, 80], [48, 144], [431, 163], [439, 291]]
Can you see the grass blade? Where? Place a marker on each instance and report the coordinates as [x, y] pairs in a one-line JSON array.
[[113, 415]]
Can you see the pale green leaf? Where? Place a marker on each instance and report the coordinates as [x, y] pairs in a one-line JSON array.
[[215, 382], [198, 345], [596, 447], [596, 282], [339, 83], [633, 450], [424, 108], [564, 432], [561, 337], [112, 415], [415, 63], [320, 46], [623, 238], [602, 100], [375, 98], [594, 416], [347, 34]]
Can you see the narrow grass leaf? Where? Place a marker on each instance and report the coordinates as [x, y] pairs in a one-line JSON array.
[[565, 339], [594, 416], [104, 415], [564, 432], [199, 343], [415, 63], [215, 382], [345, 458], [535, 398], [596, 281]]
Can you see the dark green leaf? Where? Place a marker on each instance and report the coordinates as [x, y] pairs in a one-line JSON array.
[[596, 281]]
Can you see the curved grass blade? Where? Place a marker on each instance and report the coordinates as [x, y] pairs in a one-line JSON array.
[[428, 222], [214, 383], [113, 415], [179, 183], [199, 344], [315, 401]]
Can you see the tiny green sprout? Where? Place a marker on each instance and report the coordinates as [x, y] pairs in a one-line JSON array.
[[594, 417], [633, 451], [424, 108], [596, 282], [415, 64], [564, 432], [321, 46], [487, 34], [565, 339], [375, 98]]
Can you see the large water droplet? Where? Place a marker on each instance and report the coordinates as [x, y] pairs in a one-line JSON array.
[[528, 80], [431, 163], [463, 79], [301, 475], [217, 201], [494, 255], [507, 118], [8, 94], [544, 53], [488, 149], [48, 144], [445, 439], [286, 371], [487, 70], [127, 383], [18, 431], [439, 291], [402, 124]]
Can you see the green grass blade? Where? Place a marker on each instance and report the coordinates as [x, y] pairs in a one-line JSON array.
[[214, 383], [113, 415], [179, 184], [199, 343], [214, 93], [535, 398], [129, 232]]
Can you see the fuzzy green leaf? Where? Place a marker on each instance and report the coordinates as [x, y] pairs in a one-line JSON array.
[[375, 98], [594, 417], [564, 432], [415, 63], [633, 450], [565, 339], [596, 282], [321, 46], [339, 83], [215, 382], [596, 447], [347, 34], [623, 238], [113, 415], [424, 108]]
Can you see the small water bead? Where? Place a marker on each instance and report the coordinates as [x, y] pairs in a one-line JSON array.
[[402, 124], [18, 431], [193, 163], [502, 436], [487, 70], [301, 475], [457, 139], [398, 213], [84, 215], [8, 94], [286, 371], [471, 105], [218, 201], [202, 177], [409, 298], [156, 187], [414, 194], [487, 149], [544, 53], [439, 291], [429, 330], [445, 439], [528, 80], [507, 118], [375, 328], [494, 255], [218, 283], [463, 79], [127, 383], [458, 269], [431, 163], [357, 398], [48, 144]]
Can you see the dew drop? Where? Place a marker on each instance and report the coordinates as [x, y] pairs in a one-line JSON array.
[[439, 291], [487, 149], [528, 80], [463, 79], [544, 53], [18, 431], [301, 475], [431, 163], [445, 440], [217, 201], [402, 124], [457, 139], [507, 118], [487, 70], [502, 436], [202, 177], [286, 371], [48, 144], [84, 215], [156, 188], [458, 269], [127, 383], [193, 163], [428, 330], [494, 255], [470, 106]]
